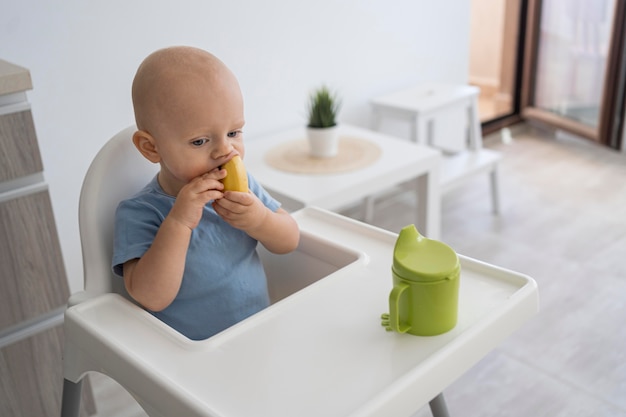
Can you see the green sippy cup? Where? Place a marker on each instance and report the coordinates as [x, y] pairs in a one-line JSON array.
[[425, 294]]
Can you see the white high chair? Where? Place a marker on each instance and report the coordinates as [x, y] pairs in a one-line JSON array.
[[115, 173], [320, 351]]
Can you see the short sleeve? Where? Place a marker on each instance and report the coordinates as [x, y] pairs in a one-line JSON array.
[[265, 197], [136, 225]]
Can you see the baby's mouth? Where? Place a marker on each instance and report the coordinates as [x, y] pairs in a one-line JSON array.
[[228, 158]]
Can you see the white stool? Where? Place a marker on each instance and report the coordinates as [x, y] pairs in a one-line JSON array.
[[446, 117]]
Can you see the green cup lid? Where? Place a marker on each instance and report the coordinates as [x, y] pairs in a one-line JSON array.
[[417, 258]]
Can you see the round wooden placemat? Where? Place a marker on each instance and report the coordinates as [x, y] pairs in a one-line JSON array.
[[353, 153]]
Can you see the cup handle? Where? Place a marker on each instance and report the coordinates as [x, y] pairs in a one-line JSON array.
[[394, 308]]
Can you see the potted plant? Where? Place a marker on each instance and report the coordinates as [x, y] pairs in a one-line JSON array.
[[322, 129]]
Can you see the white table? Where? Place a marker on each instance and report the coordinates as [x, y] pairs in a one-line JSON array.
[[446, 117], [399, 162], [319, 352], [440, 114]]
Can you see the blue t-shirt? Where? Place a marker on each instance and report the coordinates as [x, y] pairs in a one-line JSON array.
[[223, 282]]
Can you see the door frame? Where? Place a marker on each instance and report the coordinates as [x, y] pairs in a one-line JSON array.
[[514, 69], [610, 121]]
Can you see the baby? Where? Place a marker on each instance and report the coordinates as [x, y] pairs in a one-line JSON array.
[[185, 247]]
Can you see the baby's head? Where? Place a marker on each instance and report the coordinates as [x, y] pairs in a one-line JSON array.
[[189, 113], [174, 82]]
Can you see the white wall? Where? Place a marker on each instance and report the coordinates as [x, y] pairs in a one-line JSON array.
[[83, 54]]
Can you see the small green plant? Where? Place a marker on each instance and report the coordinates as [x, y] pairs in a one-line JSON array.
[[323, 108]]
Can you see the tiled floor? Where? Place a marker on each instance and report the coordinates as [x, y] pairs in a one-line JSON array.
[[563, 222]]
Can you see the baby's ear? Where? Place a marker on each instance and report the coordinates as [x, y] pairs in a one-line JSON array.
[[145, 143]]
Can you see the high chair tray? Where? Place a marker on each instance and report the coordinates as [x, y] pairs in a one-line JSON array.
[[319, 352]]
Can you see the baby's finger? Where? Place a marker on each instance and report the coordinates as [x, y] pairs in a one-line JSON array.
[[228, 205], [211, 195], [239, 197], [216, 173], [223, 212], [206, 182]]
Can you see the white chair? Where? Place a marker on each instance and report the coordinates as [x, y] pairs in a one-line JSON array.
[[445, 117], [117, 172]]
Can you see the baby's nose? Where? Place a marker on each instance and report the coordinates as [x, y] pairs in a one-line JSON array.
[[222, 149]]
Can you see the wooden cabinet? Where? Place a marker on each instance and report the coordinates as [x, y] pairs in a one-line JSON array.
[[33, 283], [19, 149], [31, 260]]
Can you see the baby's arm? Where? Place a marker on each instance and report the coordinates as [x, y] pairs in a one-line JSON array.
[[154, 279], [277, 231]]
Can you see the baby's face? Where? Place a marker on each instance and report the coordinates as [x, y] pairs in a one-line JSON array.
[[201, 130]]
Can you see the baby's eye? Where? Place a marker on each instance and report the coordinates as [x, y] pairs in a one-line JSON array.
[[199, 142], [234, 133]]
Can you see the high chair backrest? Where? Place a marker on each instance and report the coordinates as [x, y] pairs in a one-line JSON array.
[[117, 172]]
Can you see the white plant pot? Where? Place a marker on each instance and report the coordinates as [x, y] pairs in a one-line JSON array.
[[323, 141]]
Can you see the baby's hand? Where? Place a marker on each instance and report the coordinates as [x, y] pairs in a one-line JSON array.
[[241, 210], [192, 198]]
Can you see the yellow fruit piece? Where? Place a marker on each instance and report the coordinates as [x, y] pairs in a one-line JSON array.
[[236, 178]]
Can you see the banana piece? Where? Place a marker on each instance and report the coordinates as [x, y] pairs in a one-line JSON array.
[[236, 178]]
